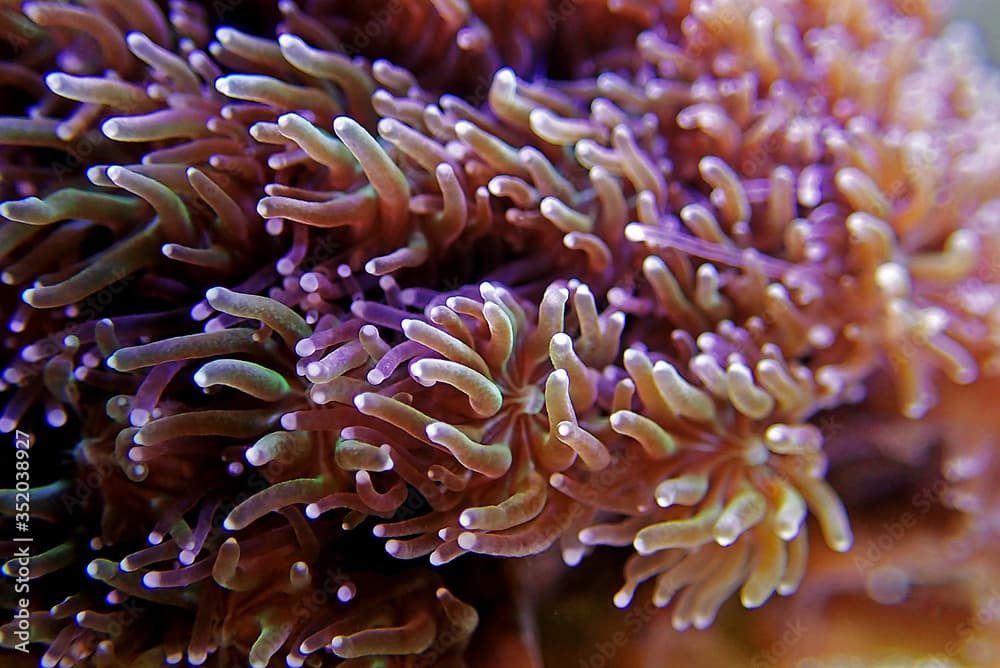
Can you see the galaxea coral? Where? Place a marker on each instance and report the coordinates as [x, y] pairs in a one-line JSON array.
[[319, 311]]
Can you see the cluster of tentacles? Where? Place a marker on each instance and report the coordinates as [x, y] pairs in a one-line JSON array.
[[291, 302]]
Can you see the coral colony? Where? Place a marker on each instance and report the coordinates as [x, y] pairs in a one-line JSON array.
[[336, 333]]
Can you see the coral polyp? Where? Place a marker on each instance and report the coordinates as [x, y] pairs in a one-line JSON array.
[[507, 391], [389, 334], [728, 463]]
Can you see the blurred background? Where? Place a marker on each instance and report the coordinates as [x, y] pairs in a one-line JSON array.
[[986, 15]]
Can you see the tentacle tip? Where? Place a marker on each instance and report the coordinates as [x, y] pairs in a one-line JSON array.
[[254, 456], [31, 9], [444, 171], [98, 175], [842, 543], [635, 233], [136, 39], [642, 547], [112, 129], [362, 401], [56, 82], [573, 556], [387, 126], [344, 125], [725, 540], [287, 120], [224, 84], [305, 348], [225, 35], [506, 76], [435, 430], [967, 376], [703, 621], [214, 294], [289, 41], [467, 541], [345, 593], [561, 340]]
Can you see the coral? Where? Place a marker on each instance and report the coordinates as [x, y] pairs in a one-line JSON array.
[[733, 465], [318, 310]]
